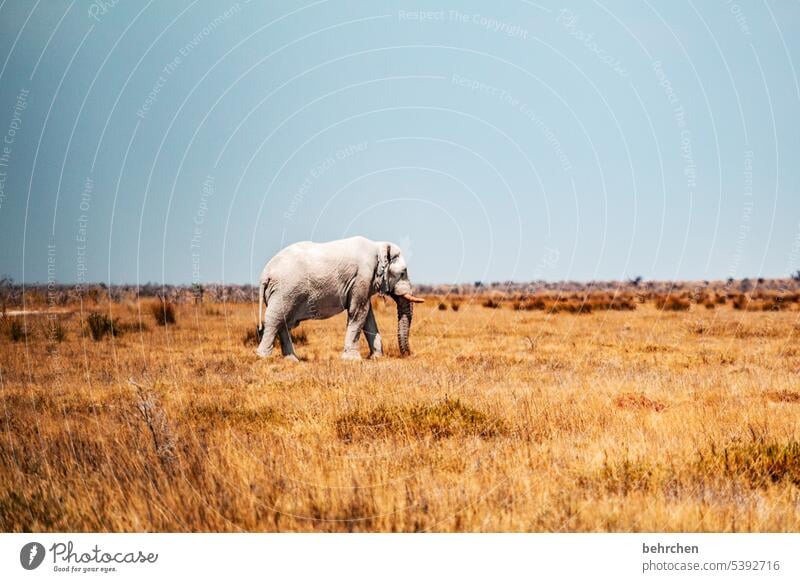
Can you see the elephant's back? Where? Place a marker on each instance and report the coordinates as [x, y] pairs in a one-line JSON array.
[[310, 260], [296, 255], [314, 253]]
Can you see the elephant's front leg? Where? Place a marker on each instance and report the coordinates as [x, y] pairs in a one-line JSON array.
[[373, 335], [356, 318]]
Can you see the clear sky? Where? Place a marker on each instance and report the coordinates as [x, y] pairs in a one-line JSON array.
[[190, 140]]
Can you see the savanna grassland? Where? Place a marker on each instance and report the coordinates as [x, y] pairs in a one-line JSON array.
[[509, 416]]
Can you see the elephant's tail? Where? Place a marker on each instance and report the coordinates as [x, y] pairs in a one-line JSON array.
[[262, 301]]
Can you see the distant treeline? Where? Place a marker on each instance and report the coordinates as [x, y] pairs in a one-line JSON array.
[[11, 292]]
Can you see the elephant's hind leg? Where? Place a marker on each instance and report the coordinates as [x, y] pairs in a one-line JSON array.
[[272, 325], [287, 347], [270, 331]]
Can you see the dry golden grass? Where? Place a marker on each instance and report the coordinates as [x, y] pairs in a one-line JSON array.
[[501, 420]]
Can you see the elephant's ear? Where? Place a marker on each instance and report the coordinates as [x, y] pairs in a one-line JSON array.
[[382, 270]]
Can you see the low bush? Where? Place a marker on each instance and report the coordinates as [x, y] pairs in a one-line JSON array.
[[741, 301], [163, 312], [16, 331], [673, 303], [101, 325]]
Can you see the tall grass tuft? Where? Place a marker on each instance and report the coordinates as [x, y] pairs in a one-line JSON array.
[[759, 463], [299, 336], [443, 419], [158, 427], [101, 325], [16, 331], [57, 332], [250, 337], [163, 312]]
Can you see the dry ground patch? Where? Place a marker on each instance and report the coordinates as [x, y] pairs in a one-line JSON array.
[[502, 420]]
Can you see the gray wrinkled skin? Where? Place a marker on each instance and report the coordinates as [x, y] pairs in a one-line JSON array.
[[309, 280]]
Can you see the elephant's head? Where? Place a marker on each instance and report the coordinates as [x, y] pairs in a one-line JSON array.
[[391, 278]]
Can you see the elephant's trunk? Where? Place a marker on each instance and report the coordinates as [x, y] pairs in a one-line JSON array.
[[404, 314]]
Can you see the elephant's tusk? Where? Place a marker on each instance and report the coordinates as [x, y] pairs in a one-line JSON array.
[[412, 299]]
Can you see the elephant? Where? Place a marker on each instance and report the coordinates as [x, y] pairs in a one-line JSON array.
[[309, 280]]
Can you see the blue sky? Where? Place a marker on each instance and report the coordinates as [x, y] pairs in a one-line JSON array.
[[189, 141]]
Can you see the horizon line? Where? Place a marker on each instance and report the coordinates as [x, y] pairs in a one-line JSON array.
[[476, 282]]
